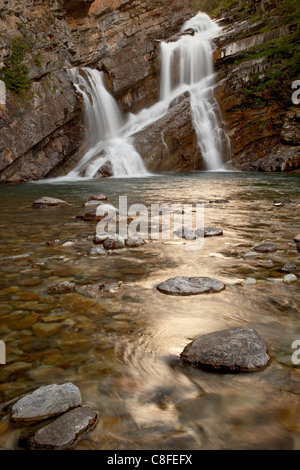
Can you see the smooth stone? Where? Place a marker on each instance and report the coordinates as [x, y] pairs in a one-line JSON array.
[[64, 431], [50, 201], [114, 242], [47, 401], [97, 252], [232, 350], [265, 248], [290, 279], [190, 286], [46, 329], [218, 201], [209, 232], [185, 232], [68, 244], [289, 268], [134, 242], [250, 281], [62, 287], [297, 238]]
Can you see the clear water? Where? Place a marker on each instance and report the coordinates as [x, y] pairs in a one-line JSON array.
[[119, 349]]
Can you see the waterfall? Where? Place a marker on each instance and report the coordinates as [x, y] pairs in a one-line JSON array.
[[108, 148], [187, 66]]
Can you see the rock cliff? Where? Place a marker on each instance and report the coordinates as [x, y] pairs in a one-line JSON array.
[[41, 124]]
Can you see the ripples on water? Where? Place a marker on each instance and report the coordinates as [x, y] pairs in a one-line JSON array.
[[119, 349]]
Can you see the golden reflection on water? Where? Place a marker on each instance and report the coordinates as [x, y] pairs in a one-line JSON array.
[[120, 348]]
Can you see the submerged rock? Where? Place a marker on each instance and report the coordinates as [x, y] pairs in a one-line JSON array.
[[219, 201], [110, 288], [209, 232], [50, 201], [283, 200], [265, 248], [232, 350], [62, 287], [190, 286], [47, 401], [185, 232], [289, 268], [63, 431]]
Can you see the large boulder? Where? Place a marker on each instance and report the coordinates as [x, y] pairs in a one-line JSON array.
[[232, 350], [170, 144]]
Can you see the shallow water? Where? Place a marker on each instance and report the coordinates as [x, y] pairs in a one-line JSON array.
[[119, 348]]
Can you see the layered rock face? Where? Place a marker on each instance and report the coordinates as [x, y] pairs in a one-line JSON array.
[[41, 130], [262, 121]]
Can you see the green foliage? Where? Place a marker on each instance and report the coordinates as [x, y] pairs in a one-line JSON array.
[[15, 72], [213, 6]]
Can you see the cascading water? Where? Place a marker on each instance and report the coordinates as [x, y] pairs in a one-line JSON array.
[[187, 66], [103, 121]]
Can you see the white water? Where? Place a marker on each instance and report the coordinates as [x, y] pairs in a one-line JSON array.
[[187, 65]]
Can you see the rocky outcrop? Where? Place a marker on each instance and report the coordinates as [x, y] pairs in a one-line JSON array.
[[170, 144], [41, 129], [255, 91]]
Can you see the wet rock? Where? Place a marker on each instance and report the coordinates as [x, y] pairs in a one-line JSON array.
[[250, 254], [62, 287], [64, 431], [219, 201], [110, 288], [190, 286], [250, 281], [289, 268], [209, 232], [114, 242], [185, 232], [99, 213], [91, 203], [98, 197], [46, 402], [232, 350], [68, 244], [46, 329], [297, 238], [97, 252], [50, 201], [133, 242], [290, 279], [101, 237], [265, 248]]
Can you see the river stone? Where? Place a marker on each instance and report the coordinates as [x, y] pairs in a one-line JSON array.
[[62, 287], [98, 197], [133, 242], [110, 288], [49, 201], [265, 248], [185, 232], [232, 350], [47, 401], [209, 232], [289, 268], [297, 238], [290, 278], [100, 237], [65, 430], [190, 286], [250, 281], [114, 242], [97, 251]]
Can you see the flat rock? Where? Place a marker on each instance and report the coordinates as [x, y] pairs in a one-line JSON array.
[[114, 242], [190, 286], [265, 248], [62, 287], [46, 402], [185, 232], [209, 232], [232, 350], [289, 268], [50, 201], [64, 431]]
